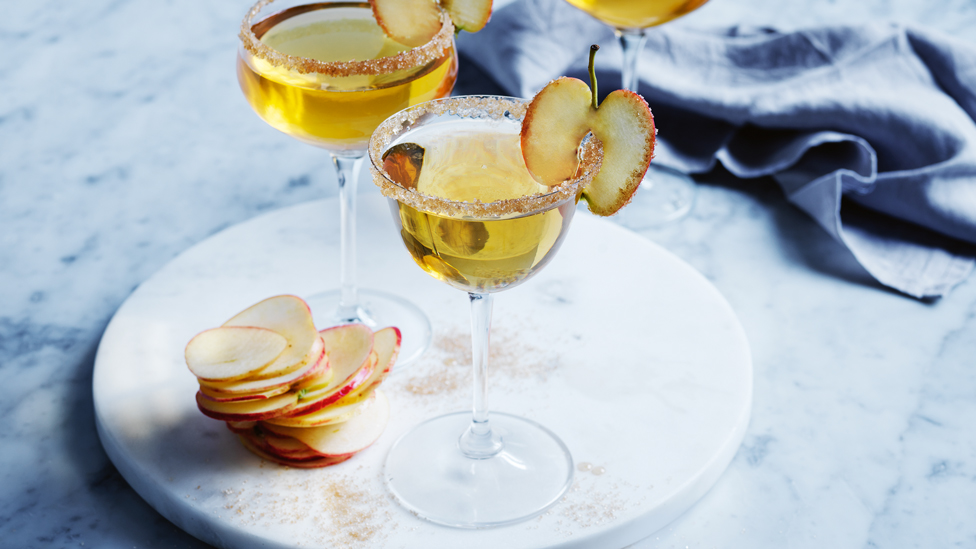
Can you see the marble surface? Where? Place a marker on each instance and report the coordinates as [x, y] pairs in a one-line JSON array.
[[124, 140], [624, 396]]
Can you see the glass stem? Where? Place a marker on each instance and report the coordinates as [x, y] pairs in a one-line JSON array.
[[632, 42], [347, 172], [478, 441]]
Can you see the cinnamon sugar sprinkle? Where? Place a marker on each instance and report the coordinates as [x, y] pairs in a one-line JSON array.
[[474, 107], [447, 366], [335, 511], [416, 57]]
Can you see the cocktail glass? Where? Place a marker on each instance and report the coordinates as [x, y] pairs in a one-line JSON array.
[[666, 194], [477, 221], [295, 69]]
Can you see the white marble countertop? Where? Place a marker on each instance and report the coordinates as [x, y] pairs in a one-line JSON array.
[[124, 139]]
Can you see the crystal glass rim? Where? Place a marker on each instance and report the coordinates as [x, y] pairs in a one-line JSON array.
[[474, 106], [415, 57]]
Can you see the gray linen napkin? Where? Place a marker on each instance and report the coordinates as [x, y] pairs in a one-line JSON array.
[[869, 130]]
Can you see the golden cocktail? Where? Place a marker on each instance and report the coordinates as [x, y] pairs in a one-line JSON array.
[[472, 216], [326, 74]]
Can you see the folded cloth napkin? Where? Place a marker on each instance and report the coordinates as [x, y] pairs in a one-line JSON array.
[[870, 129]]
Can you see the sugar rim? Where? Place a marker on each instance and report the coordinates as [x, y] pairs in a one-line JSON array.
[[416, 57], [474, 106]]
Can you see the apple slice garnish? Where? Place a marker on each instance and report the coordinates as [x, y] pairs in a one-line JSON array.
[[289, 316], [346, 438], [316, 363], [403, 162], [248, 410], [561, 115], [468, 15], [410, 22], [339, 411], [225, 354]]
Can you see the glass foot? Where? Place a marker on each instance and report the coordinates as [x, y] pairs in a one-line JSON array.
[[664, 196], [378, 310], [429, 475]]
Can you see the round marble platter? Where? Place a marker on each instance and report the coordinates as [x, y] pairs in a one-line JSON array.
[[631, 356]]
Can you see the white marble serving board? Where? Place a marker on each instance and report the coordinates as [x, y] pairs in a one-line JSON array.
[[626, 352]]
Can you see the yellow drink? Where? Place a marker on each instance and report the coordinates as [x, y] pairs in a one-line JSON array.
[[636, 14], [334, 112], [484, 254]]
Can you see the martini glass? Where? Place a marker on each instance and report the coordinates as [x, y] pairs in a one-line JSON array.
[[666, 194], [296, 68], [476, 220]]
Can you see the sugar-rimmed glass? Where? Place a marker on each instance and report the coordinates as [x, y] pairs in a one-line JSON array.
[[477, 469], [294, 70], [666, 194]]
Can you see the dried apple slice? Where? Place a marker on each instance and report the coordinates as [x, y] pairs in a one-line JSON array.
[[410, 22], [241, 426], [344, 439], [217, 396], [288, 446], [563, 113], [289, 316], [248, 410], [278, 446], [316, 364], [233, 352], [339, 411], [350, 352], [468, 15], [386, 346], [301, 464]]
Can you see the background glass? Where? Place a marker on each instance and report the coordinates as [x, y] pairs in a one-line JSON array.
[[666, 194], [293, 71]]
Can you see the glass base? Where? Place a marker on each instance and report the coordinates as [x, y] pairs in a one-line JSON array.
[[665, 195], [378, 310], [430, 476]]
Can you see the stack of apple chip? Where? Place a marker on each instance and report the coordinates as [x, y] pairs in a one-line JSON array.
[[294, 395]]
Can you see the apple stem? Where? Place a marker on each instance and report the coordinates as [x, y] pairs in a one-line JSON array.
[[593, 50]]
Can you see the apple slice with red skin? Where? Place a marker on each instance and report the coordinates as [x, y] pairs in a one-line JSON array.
[[217, 396], [349, 348], [386, 346], [347, 345], [410, 22], [310, 401], [270, 443], [289, 316], [344, 439], [300, 464], [339, 411], [241, 426], [468, 15], [288, 447], [230, 353], [248, 410], [316, 364], [563, 113]]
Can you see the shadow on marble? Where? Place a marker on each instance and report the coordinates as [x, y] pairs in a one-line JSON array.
[[134, 523]]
